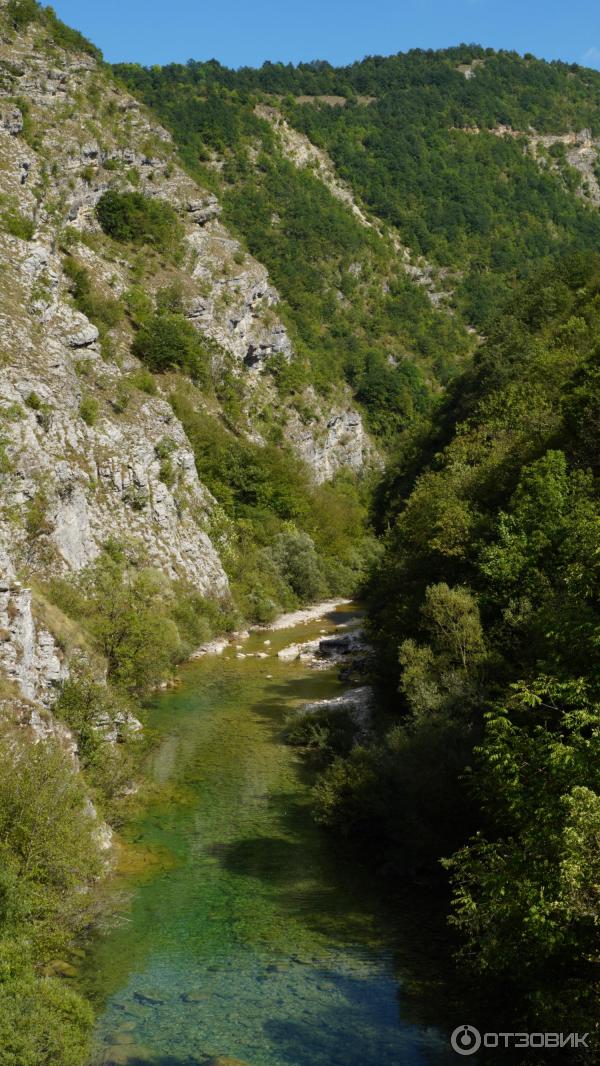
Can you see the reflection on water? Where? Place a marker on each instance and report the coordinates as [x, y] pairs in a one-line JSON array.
[[258, 942]]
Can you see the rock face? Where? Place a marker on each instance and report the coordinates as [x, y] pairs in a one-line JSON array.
[[341, 441], [86, 451], [249, 329], [106, 477], [28, 655]]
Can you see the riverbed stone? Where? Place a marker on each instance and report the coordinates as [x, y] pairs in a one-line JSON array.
[[126, 1055], [149, 998], [122, 1037], [221, 1060], [195, 997]]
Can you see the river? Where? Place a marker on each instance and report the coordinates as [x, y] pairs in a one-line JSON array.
[[246, 934]]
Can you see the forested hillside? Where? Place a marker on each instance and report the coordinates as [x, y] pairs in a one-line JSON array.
[[354, 312], [462, 151], [485, 609]]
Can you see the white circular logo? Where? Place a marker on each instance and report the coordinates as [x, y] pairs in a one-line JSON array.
[[466, 1040]]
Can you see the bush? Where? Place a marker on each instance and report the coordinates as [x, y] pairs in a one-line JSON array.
[[104, 311], [43, 1023], [88, 410], [326, 732], [48, 856], [127, 616], [144, 381], [17, 225], [347, 795], [22, 12], [297, 562], [102, 721], [133, 217], [168, 340]]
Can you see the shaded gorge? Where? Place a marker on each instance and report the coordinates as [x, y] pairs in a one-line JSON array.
[[245, 933]]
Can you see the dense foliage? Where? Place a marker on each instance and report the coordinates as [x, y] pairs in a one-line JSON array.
[[405, 135], [49, 859], [21, 13], [353, 315], [131, 216], [139, 622], [168, 340], [283, 540], [485, 608]]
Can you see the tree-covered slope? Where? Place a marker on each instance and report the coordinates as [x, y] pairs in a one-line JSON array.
[[426, 141], [485, 607], [351, 304]]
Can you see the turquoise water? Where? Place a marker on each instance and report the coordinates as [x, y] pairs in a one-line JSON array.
[[244, 932]]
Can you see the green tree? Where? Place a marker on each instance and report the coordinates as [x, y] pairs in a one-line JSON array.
[[167, 340]]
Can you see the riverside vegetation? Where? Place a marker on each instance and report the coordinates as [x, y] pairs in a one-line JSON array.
[[476, 548]]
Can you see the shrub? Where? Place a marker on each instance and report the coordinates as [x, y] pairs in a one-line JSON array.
[[144, 381], [104, 311], [325, 732], [120, 402], [88, 410], [17, 225], [170, 298], [49, 855], [133, 217], [37, 522], [22, 12], [106, 734], [136, 497], [296, 560], [127, 618], [43, 1022], [168, 340]]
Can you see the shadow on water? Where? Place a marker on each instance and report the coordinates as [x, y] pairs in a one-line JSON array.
[[263, 941], [156, 1060], [339, 900]]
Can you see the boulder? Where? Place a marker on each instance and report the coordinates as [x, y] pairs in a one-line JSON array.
[[149, 999], [224, 1060], [126, 1055], [11, 119], [84, 337]]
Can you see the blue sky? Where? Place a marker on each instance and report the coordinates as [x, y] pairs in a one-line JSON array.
[[239, 32]]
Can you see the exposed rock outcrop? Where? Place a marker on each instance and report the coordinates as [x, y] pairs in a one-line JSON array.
[[29, 655], [82, 445], [341, 442]]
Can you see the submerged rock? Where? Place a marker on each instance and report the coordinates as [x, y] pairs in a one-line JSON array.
[[195, 997], [126, 1055], [149, 999], [221, 1060]]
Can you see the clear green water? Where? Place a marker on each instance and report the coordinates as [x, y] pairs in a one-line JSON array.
[[255, 940]]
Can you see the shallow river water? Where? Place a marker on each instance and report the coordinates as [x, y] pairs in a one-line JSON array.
[[249, 935]]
